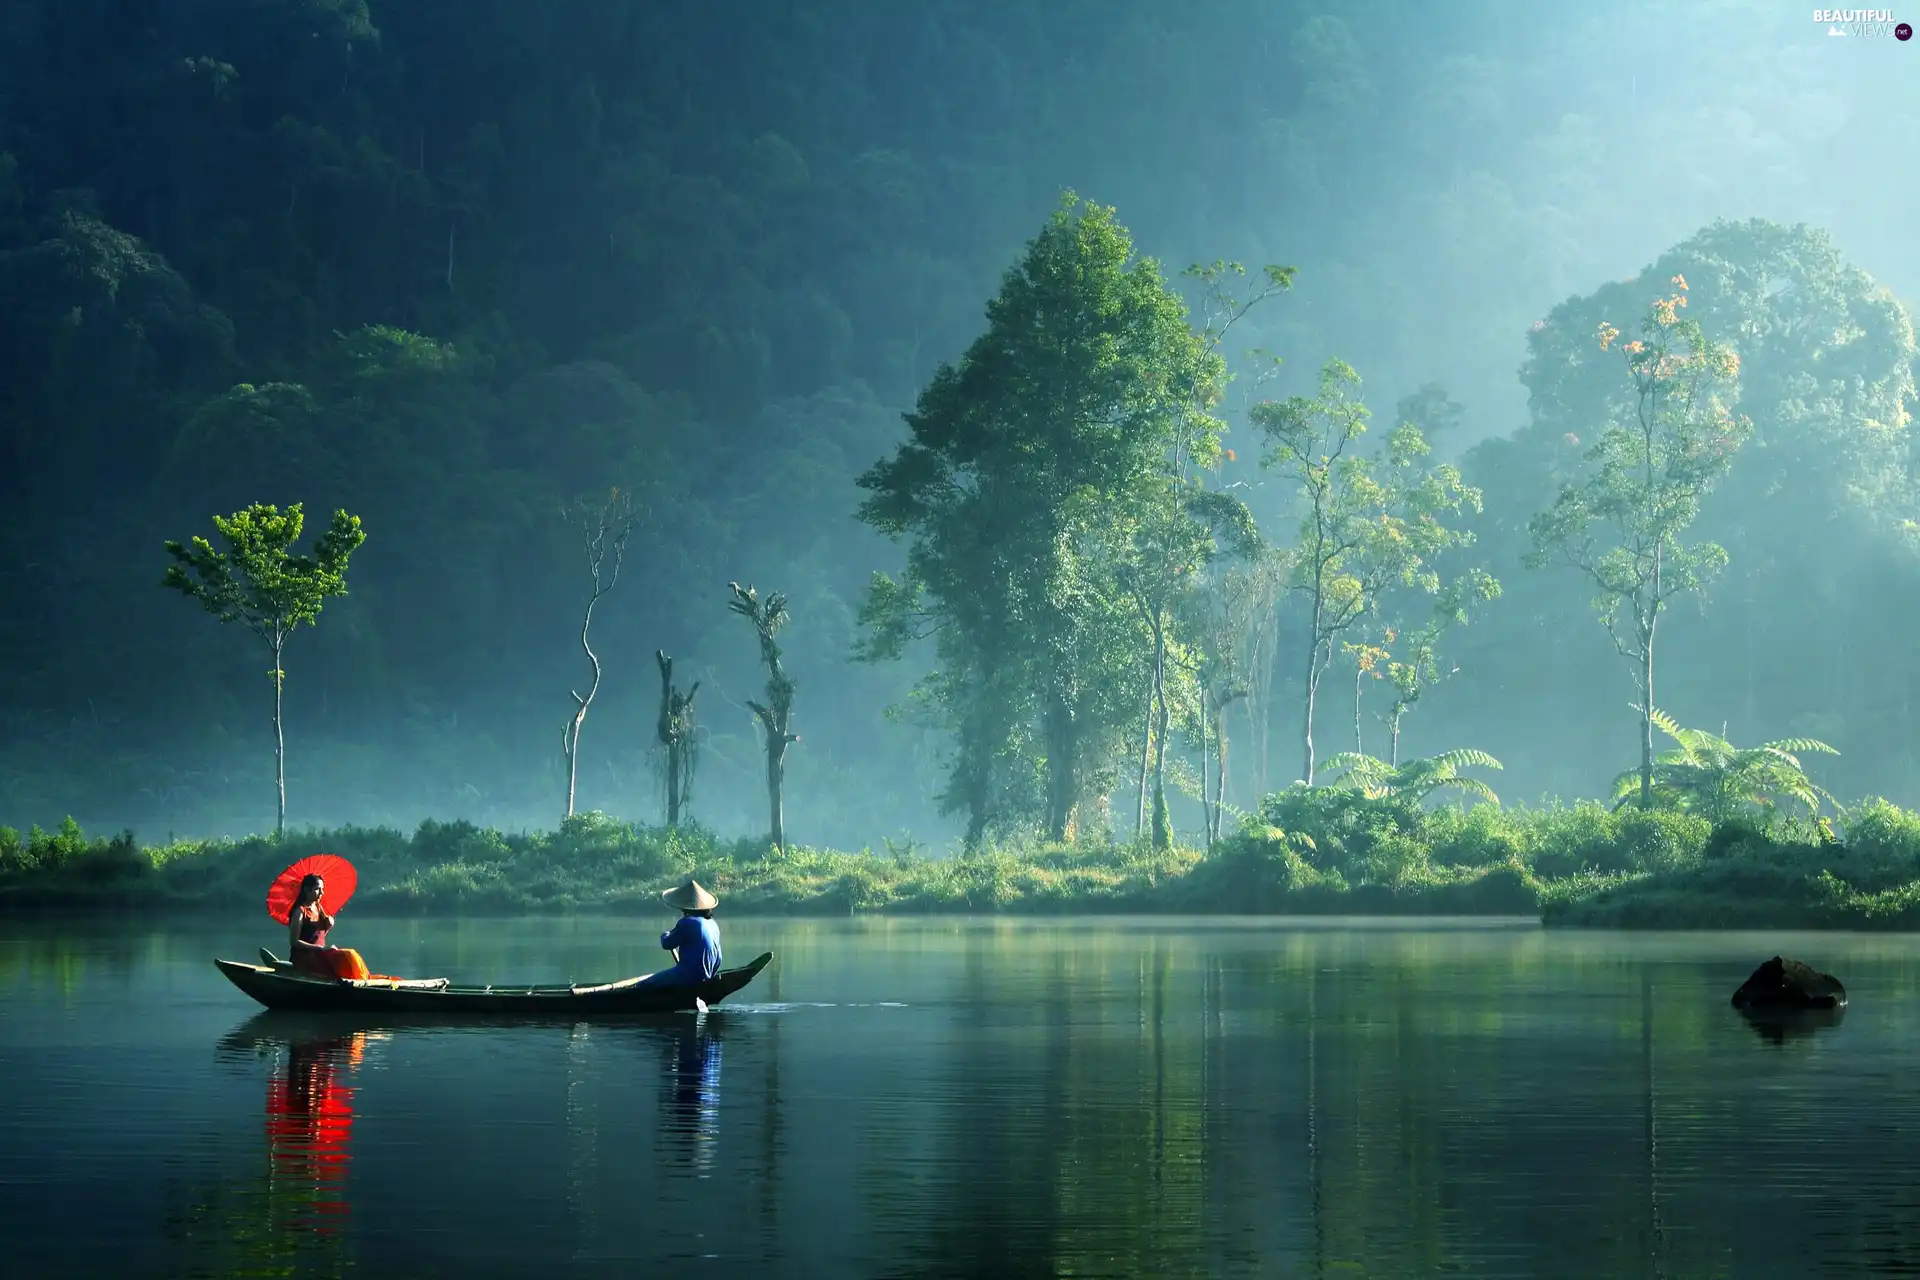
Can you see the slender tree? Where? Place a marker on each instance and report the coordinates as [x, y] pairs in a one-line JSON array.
[[604, 528], [775, 714], [1413, 659], [1174, 535], [674, 732], [1366, 523], [1663, 448], [258, 581]]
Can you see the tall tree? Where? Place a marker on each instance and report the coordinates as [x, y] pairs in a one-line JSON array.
[[776, 713], [1413, 662], [1085, 391], [1663, 446], [1366, 523], [1175, 534], [674, 732], [604, 529], [259, 581], [1228, 620]]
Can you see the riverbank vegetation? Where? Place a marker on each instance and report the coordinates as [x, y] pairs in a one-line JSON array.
[[1321, 851]]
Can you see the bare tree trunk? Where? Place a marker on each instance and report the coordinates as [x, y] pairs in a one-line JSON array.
[[279, 739], [1062, 747], [1162, 827], [1359, 676], [1306, 719], [674, 731], [673, 785], [1146, 754], [1220, 758], [974, 773], [613, 519], [663, 733], [768, 617], [570, 736], [1260, 666], [570, 746], [776, 777], [1646, 715], [1259, 733], [571, 739], [1206, 770], [979, 786]]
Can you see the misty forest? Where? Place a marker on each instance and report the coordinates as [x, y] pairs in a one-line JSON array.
[[1230, 454]]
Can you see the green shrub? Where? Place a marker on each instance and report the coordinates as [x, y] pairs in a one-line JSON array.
[[1307, 851]]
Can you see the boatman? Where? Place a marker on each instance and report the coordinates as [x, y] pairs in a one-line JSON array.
[[694, 940]]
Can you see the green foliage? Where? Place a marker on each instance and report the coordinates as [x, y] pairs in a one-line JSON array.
[[1367, 523], [1656, 459], [257, 579], [67, 859], [1708, 775], [1412, 657], [1325, 850], [1035, 470], [1415, 779], [1661, 449]]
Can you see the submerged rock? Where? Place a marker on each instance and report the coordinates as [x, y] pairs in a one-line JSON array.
[[1782, 985]]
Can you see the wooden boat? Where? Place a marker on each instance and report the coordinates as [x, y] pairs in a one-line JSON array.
[[277, 985]]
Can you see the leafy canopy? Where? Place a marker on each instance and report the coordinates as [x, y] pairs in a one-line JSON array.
[[1660, 453], [256, 578], [1041, 475], [1367, 522]]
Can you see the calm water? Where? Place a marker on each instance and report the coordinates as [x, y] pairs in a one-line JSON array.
[[970, 1098]]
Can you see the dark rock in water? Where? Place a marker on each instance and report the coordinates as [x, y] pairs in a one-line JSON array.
[[1782, 985]]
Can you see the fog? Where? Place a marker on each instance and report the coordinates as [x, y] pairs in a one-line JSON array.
[[711, 253]]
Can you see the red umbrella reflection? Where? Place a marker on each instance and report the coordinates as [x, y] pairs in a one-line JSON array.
[[310, 1117]]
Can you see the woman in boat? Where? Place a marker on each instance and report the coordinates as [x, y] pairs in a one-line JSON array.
[[694, 940], [307, 926]]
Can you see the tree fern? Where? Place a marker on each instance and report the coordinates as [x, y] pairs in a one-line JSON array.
[[1705, 774], [1416, 779]]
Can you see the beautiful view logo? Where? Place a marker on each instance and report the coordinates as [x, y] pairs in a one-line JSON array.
[[1862, 22]]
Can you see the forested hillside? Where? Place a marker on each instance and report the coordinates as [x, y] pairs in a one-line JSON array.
[[453, 265]]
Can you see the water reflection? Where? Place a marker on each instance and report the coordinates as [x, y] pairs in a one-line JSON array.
[[690, 1053], [1777, 1026], [1041, 1100], [308, 1114], [310, 1118]]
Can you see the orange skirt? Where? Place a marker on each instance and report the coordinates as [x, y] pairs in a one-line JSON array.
[[340, 962]]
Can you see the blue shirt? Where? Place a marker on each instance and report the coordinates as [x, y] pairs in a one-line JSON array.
[[699, 941]]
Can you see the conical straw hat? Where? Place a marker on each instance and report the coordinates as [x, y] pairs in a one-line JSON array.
[[690, 897]]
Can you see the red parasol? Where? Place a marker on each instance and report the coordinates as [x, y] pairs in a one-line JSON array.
[[339, 874]]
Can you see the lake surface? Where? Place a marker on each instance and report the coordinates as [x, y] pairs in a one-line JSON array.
[[969, 1098]]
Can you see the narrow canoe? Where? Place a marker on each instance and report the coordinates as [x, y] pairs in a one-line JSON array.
[[280, 987]]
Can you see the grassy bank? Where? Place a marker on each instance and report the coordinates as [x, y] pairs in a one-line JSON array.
[[1327, 851]]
